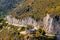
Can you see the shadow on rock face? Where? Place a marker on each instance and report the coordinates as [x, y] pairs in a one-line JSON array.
[[56, 18]]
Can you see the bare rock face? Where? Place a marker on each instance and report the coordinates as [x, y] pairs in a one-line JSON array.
[[48, 26], [52, 26], [22, 22]]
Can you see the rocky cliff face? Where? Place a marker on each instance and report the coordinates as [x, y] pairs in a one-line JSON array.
[[50, 25], [22, 22]]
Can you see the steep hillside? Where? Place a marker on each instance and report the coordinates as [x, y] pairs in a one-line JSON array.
[[37, 8], [33, 8], [8, 5]]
